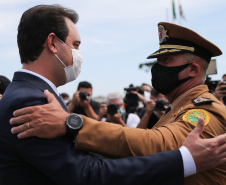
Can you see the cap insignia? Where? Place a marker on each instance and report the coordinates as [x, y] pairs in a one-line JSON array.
[[192, 116], [201, 101], [162, 34]]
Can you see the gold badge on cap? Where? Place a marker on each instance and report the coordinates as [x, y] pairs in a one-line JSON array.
[[162, 34], [192, 116]]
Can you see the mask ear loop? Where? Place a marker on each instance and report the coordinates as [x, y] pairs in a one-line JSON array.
[[60, 60], [57, 56], [63, 42]]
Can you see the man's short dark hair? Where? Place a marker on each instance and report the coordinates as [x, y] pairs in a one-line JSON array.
[[145, 84], [84, 84], [154, 92], [37, 23], [64, 95], [4, 82]]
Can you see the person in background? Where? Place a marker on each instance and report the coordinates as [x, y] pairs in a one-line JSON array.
[[154, 110], [65, 97], [220, 91], [147, 91], [82, 102], [4, 82], [114, 109]]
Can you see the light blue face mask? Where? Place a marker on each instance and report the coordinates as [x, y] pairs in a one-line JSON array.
[[121, 110]]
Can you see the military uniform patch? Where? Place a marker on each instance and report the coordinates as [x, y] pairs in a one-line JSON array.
[[192, 116], [201, 101]]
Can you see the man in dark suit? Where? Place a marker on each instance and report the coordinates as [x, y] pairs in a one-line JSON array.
[[49, 49]]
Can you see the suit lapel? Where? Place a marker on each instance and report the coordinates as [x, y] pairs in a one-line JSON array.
[[38, 83]]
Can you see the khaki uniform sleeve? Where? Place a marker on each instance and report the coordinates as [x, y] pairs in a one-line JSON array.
[[113, 140]]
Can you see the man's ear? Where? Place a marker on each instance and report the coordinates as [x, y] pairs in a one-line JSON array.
[[51, 42], [194, 69]]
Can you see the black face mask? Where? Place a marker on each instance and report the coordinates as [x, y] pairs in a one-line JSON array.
[[165, 79]]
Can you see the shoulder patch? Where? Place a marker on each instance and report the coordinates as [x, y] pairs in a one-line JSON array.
[[201, 101], [192, 116]]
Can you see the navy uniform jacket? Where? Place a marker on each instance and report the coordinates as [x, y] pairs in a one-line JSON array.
[[36, 161]]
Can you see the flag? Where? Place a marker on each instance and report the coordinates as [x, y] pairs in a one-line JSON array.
[[174, 10], [181, 12]]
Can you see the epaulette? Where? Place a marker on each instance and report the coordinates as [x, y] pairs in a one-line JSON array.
[[201, 101]]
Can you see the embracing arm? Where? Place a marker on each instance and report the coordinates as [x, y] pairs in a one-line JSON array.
[[203, 150]]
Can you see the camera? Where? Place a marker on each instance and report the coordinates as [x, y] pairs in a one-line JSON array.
[[131, 99], [83, 95], [112, 109], [212, 84], [137, 88], [160, 104], [223, 84]]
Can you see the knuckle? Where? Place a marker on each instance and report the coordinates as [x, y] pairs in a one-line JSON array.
[[35, 116], [28, 133], [24, 125], [213, 145], [37, 108]]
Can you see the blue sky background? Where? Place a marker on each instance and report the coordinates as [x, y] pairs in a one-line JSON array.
[[117, 35]]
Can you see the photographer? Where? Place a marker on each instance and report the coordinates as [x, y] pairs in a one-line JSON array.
[[113, 110], [133, 96], [82, 102], [154, 109], [66, 98], [147, 90], [220, 91]]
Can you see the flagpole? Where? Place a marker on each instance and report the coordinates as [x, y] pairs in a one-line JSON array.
[[179, 12], [173, 10]]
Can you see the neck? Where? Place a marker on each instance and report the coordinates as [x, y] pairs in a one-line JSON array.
[[42, 68], [182, 89]]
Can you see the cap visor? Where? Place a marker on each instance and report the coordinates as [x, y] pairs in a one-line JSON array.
[[162, 52]]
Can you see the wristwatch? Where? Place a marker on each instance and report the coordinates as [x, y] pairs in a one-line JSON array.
[[74, 123]]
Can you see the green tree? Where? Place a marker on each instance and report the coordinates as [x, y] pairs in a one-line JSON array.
[[147, 66]]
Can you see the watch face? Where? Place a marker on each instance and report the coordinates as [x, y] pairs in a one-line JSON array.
[[74, 121]]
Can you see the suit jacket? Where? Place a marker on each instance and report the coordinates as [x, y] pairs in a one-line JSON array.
[[39, 161], [168, 134]]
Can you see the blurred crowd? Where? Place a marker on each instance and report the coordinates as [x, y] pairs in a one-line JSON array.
[[140, 107]]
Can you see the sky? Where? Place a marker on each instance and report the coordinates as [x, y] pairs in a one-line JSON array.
[[117, 36]]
